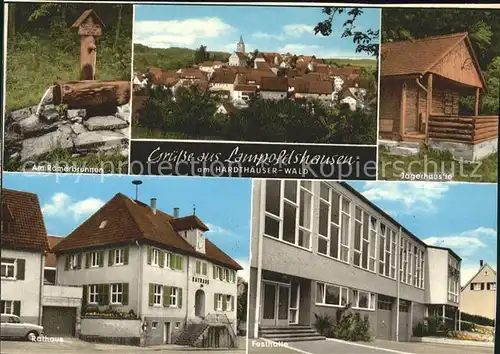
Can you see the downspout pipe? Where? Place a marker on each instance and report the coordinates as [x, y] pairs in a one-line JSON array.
[[398, 262], [42, 281], [139, 280]]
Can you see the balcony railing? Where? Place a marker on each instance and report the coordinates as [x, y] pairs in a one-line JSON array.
[[464, 129]]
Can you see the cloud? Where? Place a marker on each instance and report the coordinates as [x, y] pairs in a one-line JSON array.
[[61, 205], [296, 48], [164, 34], [466, 243], [410, 195], [297, 30], [245, 273], [218, 229], [264, 35]]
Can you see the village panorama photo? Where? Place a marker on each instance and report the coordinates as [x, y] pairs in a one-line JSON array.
[[256, 74], [124, 265]]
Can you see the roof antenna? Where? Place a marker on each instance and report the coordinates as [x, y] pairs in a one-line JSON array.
[[137, 184], [194, 209]]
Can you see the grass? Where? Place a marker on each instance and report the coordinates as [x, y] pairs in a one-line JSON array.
[[176, 58], [168, 58], [34, 64], [362, 63], [111, 162], [391, 167]]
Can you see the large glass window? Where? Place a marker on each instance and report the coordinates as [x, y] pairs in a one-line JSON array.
[[332, 295], [288, 211], [365, 240], [334, 220]]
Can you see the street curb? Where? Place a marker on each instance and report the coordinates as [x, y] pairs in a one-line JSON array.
[[453, 341]]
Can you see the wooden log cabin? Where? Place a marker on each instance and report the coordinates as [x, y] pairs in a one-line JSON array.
[[420, 88]]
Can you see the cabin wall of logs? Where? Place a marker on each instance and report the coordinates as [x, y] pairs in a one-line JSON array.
[[463, 129]]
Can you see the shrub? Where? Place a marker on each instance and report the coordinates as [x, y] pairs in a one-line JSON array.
[[323, 324], [350, 326], [480, 320]]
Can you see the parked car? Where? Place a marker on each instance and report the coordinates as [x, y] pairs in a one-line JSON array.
[[12, 327]]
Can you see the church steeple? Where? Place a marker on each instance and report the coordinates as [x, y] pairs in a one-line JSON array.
[[240, 46]]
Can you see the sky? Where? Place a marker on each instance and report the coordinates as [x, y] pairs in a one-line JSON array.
[[461, 216], [266, 28], [221, 203]]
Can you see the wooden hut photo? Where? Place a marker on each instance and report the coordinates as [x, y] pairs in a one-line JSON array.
[[421, 87]]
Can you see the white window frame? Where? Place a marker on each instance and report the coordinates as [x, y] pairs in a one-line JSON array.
[[382, 245], [177, 325], [342, 290], [226, 275], [493, 286], [93, 294], [116, 290], [10, 307], [8, 265], [119, 256], [94, 259], [342, 245], [219, 302], [219, 273], [157, 295], [300, 187], [173, 296], [168, 260], [154, 324], [372, 241], [155, 257], [394, 254], [371, 300], [73, 261]]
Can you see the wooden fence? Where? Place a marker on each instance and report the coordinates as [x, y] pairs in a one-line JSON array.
[[464, 129]]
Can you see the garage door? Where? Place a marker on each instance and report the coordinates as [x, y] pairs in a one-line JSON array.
[[404, 320], [384, 317], [59, 321]]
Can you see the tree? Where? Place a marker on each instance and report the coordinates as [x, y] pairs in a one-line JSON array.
[[241, 311], [201, 54], [366, 41], [251, 58]]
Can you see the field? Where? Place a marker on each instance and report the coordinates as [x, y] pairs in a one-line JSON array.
[[176, 58]]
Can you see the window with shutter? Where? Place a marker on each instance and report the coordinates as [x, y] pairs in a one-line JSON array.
[[125, 294], [125, 256], [21, 263], [151, 296], [166, 295], [8, 268], [110, 257], [79, 261], [179, 297], [17, 308]]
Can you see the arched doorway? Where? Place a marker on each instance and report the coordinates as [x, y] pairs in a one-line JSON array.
[[199, 303]]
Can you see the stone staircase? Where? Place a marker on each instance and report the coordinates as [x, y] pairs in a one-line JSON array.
[[191, 333], [292, 333]]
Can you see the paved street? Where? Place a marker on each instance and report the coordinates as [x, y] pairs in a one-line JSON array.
[[375, 347], [73, 345]]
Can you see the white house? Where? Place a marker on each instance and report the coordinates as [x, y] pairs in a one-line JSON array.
[[134, 257], [238, 59], [24, 243]]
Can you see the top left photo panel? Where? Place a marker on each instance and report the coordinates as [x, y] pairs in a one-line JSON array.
[[67, 87]]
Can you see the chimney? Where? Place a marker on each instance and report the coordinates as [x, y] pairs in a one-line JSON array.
[[176, 213], [481, 263], [153, 205]]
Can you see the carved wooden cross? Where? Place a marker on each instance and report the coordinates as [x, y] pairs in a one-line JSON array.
[[89, 27]]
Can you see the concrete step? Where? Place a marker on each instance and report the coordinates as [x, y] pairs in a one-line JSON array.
[[285, 327], [285, 331], [286, 335], [296, 339]]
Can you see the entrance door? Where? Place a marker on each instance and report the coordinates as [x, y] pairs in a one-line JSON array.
[[411, 108], [384, 317], [167, 333], [276, 304], [199, 303]]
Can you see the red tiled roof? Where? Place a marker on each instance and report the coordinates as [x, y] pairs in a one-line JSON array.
[[50, 258], [127, 221], [246, 88], [278, 83], [223, 76], [416, 57], [241, 55], [27, 229], [320, 87], [192, 72]]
